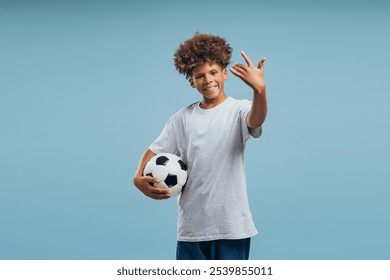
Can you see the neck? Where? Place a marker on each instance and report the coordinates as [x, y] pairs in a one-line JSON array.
[[211, 103]]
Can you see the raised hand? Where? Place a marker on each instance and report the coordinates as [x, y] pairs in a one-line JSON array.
[[253, 76]]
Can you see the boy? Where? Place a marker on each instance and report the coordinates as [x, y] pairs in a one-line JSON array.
[[214, 220]]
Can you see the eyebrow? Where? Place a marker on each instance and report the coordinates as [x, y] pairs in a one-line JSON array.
[[202, 73]]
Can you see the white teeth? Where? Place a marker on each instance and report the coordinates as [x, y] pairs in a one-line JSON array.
[[209, 88]]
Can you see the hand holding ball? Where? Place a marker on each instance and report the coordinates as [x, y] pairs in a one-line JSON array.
[[170, 170]]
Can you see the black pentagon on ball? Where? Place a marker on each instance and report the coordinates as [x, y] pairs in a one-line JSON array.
[[162, 160], [183, 166], [171, 180]]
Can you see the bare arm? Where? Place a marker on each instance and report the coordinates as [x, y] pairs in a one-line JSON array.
[[142, 182], [254, 77]]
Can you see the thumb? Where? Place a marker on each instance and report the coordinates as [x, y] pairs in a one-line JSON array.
[[261, 63]]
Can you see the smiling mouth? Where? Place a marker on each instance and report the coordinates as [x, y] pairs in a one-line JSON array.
[[209, 88]]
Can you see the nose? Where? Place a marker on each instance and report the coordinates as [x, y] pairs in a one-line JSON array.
[[207, 79]]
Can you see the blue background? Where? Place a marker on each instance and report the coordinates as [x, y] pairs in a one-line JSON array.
[[86, 86]]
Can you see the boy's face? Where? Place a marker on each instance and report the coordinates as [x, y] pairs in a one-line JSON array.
[[209, 79]]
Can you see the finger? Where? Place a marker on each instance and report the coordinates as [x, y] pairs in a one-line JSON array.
[[163, 195], [240, 68], [158, 193], [236, 73], [159, 197], [152, 179], [260, 65], [247, 59], [157, 190]]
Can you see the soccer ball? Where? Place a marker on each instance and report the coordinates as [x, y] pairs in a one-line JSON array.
[[170, 170]]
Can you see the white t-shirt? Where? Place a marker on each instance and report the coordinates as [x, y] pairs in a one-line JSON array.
[[214, 203]]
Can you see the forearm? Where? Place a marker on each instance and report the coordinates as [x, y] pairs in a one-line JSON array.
[[258, 112], [144, 160]]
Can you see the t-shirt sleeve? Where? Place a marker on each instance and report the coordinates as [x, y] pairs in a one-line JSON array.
[[248, 133], [166, 141]]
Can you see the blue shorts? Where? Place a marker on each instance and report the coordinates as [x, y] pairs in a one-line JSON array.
[[223, 249]]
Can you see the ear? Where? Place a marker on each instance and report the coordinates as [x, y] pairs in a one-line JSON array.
[[225, 74], [192, 84]]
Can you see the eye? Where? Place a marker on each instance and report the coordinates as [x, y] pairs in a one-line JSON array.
[[214, 73]]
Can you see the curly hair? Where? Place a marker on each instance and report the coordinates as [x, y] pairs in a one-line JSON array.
[[199, 49]]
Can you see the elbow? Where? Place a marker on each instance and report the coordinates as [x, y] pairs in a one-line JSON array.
[[255, 122]]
